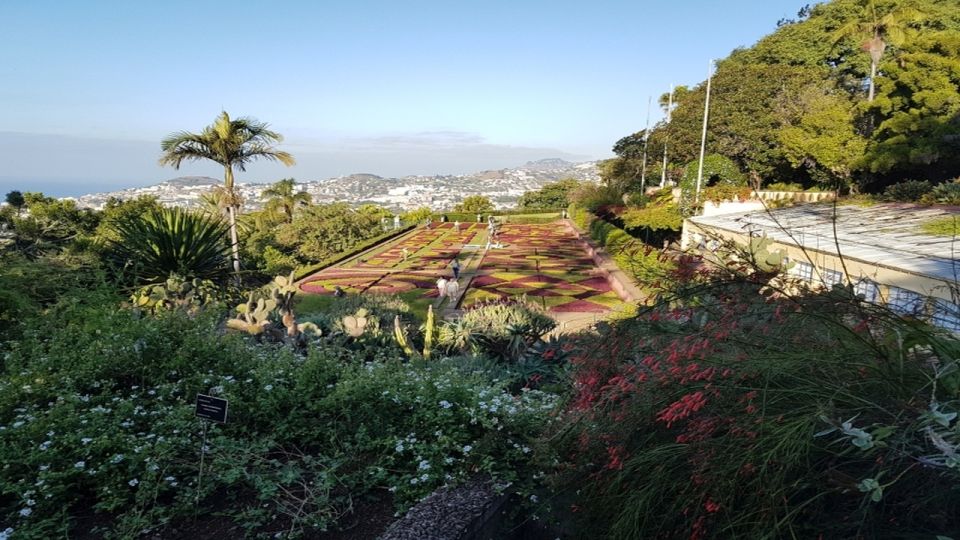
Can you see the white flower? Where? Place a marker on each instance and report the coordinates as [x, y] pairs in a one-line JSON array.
[[79, 464], [44, 467], [26, 511], [467, 449], [534, 499], [424, 465], [18, 423], [133, 483], [446, 404], [116, 459], [424, 477], [45, 444], [268, 387], [31, 502], [86, 440], [153, 467], [5, 534]]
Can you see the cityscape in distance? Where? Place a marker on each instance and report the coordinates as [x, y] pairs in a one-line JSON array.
[[502, 186]]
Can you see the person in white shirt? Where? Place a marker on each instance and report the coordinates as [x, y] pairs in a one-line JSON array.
[[453, 289], [442, 286]]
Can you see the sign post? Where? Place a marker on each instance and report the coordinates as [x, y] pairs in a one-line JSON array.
[[208, 408]]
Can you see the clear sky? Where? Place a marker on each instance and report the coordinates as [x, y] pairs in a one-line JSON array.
[[89, 88]]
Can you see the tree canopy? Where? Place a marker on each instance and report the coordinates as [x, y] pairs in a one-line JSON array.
[[795, 107]]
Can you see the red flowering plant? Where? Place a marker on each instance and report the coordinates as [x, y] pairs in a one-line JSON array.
[[738, 410]]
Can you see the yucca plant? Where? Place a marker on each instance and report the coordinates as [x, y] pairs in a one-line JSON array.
[[171, 241]]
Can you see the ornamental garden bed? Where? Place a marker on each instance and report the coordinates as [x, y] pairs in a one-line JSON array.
[[545, 263]]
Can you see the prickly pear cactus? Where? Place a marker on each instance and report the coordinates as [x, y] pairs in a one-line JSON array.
[[254, 315], [354, 325], [766, 260]]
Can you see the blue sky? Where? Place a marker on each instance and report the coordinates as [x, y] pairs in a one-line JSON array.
[[390, 88]]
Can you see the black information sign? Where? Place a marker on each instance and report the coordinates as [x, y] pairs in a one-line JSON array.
[[212, 408]]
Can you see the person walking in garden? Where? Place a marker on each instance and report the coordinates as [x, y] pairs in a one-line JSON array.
[[456, 268], [442, 286], [456, 226], [396, 221], [453, 290]]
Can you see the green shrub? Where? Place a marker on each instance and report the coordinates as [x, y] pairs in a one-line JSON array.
[[945, 193], [717, 170], [908, 191], [97, 426]]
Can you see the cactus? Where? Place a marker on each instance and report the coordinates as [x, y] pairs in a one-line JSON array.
[[765, 260], [175, 293], [356, 324], [283, 290], [428, 334], [254, 315], [401, 336]]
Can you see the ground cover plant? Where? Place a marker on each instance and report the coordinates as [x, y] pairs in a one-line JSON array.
[[546, 264], [739, 410], [98, 437]]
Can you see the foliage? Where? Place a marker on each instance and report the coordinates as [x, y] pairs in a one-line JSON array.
[[945, 193], [503, 330], [170, 242], [52, 225], [738, 411], [474, 203], [552, 195], [15, 199], [324, 230], [417, 215], [96, 409], [907, 191], [659, 215], [594, 196], [648, 266], [947, 226], [717, 170], [116, 209], [176, 294], [282, 200]]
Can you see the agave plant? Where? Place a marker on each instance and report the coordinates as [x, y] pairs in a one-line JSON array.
[[171, 242]]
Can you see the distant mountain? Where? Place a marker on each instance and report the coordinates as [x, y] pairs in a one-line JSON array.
[[503, 187]]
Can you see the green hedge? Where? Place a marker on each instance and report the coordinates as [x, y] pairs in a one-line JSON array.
[[471, 217], [629, 253], [305, 271]]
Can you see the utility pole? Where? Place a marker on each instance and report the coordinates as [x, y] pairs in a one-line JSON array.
[[646, 139], [663, 172], [703, 136]]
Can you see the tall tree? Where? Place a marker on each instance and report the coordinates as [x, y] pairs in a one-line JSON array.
[[876, 31], [283, 198], [233, 143]]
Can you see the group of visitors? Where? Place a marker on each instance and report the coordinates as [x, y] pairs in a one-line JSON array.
[[450, 287]]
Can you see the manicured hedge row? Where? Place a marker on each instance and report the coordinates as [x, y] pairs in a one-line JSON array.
[[305, 271], [629, 253]]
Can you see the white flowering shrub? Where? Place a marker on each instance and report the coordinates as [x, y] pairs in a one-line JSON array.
[[98, 435]]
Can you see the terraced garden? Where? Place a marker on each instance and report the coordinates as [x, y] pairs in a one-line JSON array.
[[541, 261]]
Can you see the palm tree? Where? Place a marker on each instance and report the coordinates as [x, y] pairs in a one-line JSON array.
[[283, 200], [877, 31], [232, 143]]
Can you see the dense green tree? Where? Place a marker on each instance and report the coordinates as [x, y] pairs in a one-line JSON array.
[[417, 215], [283, 199], [474, 203], [16, 200], [117, 209], [233, 143], [552, 195], [323, 230]]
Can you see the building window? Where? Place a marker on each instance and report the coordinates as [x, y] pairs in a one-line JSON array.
[[803, 271], [831, 277], [945, 314], [868, 290], [905, 302]]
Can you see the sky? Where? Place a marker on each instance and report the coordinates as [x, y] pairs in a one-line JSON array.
[[89, 88]]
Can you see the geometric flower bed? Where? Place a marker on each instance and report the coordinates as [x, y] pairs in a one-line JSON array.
[[384, 270], [543, 262]]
